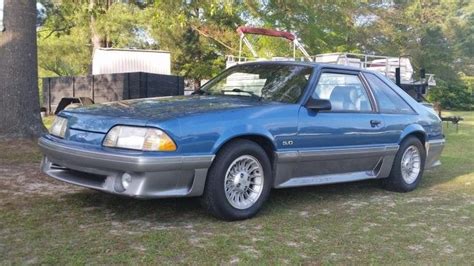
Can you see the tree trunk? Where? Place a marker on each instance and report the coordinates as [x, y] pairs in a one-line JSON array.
[[95, 37], [19, 98], [196, 84]]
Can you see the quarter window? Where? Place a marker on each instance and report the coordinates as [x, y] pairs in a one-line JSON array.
[[388, 100], [344, 91]]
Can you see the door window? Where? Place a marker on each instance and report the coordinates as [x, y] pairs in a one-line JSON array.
[[345, 92]]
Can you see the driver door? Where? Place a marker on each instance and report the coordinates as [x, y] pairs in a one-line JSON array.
[[350, 138]]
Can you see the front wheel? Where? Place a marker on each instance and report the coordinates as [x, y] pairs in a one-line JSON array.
[[238, 182], [408, 166]]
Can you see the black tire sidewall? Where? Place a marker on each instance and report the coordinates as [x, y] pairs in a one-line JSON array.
[[214, 190], [396, 181]]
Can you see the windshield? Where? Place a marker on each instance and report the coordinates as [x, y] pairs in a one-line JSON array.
[[272, 82]]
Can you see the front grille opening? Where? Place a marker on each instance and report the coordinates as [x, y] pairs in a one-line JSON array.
[[92, 177], [78, 177]]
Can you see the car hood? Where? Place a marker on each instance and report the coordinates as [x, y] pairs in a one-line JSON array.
[[100, 117]]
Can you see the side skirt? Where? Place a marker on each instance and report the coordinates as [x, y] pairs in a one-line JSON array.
[[287, 161], [327, 179]]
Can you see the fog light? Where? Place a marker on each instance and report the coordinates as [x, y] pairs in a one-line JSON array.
[[126, 180]]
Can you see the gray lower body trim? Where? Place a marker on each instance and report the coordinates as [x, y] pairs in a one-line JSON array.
[[327, 179], [152, 177], [434, 148], [336, 153], [333, 154], [333, 165]]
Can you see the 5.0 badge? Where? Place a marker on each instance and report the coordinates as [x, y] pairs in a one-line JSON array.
[[287, 143]]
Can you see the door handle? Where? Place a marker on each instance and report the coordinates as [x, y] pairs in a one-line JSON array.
[[375, 123]]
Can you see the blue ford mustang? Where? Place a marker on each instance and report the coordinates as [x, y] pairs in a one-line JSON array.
[[255, 127]]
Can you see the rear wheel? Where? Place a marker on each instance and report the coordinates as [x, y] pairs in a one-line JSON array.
[[408, 166], [238, 182]]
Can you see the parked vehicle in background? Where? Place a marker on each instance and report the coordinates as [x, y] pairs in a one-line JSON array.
[[383, 64], [286, 124]]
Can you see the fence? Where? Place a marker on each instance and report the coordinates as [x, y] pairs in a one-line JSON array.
[[110, 87]]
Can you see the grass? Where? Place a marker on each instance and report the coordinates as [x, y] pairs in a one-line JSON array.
[[47, 222]]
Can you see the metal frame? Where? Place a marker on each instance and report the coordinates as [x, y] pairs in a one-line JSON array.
[[244, 40]]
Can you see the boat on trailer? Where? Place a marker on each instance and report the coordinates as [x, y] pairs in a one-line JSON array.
[[399, 69]]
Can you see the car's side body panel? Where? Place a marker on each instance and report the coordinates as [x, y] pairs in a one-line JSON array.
[[424, 123], [207, 134], [346, 132]]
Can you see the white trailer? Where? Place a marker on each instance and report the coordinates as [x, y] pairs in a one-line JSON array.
[[384, 64]]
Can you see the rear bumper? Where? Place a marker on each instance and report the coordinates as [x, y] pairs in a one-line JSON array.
[[152, 177], [434, 148]]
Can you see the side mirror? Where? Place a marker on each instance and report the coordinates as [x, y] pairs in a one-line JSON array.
[[318, 104]]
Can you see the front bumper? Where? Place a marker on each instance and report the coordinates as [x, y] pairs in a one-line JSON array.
[[152, 177]]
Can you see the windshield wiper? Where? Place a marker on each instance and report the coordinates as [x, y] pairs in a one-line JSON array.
[[251, 93]]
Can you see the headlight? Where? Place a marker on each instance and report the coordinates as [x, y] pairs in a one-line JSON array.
[[59, 126], [139, 138]]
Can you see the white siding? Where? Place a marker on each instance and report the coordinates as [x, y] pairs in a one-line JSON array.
[[1, 15], [110, 61]]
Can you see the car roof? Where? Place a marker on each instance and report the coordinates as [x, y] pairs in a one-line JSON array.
[[306, 63]]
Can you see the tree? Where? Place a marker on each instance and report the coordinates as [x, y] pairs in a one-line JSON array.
[[437, 35], [19, 103], [323, 26], [434, 34], [197, 33], [72, 29]]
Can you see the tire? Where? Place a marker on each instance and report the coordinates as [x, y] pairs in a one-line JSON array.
[[399, 180], [223, 181]]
